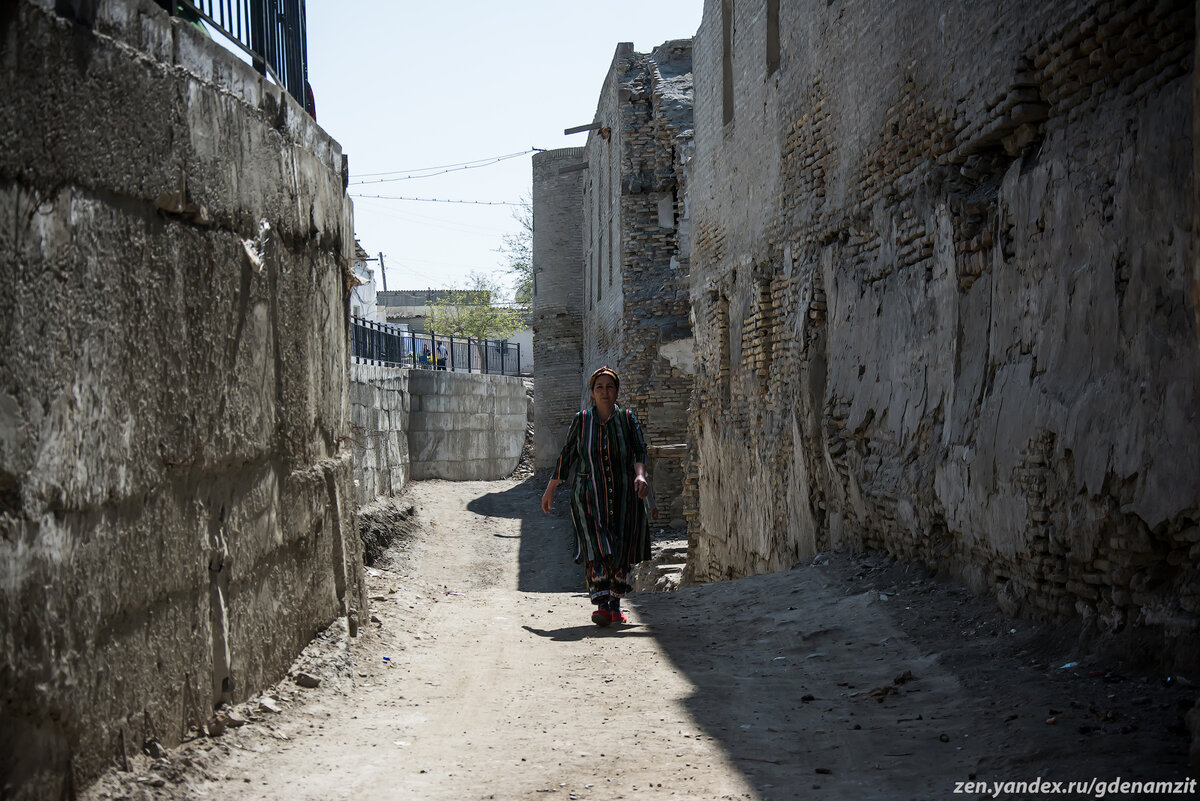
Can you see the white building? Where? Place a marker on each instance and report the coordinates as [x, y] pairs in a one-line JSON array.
[[362, 296]]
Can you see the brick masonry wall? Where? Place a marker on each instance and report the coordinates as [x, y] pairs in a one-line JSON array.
[[558, 298], [942, 285], [635, 248]]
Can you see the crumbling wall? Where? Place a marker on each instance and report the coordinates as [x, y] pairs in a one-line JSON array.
[[636, 248], [557, 298], [942, 271], [176, 508]]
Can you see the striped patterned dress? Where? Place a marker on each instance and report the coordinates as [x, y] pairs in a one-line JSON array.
[[610, 520]]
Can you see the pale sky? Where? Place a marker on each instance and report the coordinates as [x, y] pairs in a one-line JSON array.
[[406, 85]]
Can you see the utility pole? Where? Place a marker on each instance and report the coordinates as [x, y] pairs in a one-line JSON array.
[[382, 271]]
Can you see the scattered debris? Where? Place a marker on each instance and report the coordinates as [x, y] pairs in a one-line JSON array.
[[153, 749], [307, 680], [878, 693]]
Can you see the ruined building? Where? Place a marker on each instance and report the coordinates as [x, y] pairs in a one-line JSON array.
[[942, 272], [629, 292]]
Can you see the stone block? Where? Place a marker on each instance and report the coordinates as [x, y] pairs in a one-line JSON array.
[[178, 389]]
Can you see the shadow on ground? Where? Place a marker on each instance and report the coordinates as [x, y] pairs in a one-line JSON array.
[[860, 677], [588, 632], [547, 542]]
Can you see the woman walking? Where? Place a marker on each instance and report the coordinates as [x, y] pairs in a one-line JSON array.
[[607, 450]]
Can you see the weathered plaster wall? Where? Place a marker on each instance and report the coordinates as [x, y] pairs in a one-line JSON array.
[[1196, 176], [557, 298], [176, 508], [942, 271], [524, 340], [464, 426], [636, 247], [379, 423]]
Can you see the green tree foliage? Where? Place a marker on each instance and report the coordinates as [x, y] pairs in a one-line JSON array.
[[517, 252], [472, 312]]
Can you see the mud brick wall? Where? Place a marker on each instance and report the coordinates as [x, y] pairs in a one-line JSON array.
[[176, 501], [557, 314], [942, 272], [636, 248]]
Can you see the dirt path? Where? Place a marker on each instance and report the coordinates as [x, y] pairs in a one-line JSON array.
[[851, 678]]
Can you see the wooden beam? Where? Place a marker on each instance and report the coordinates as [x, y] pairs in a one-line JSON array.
[[583, 165], [591, 126]]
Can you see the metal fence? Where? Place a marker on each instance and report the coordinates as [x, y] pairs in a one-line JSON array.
[[376, 343], [272, 33]]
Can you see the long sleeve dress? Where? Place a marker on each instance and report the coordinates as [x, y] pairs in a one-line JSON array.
[[610, 520]]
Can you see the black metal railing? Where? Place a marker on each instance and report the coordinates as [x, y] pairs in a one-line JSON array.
[[272, 33], [378, 343]]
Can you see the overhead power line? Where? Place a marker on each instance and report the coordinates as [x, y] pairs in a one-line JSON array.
[[445, 166], [429, 172], [442, 200]]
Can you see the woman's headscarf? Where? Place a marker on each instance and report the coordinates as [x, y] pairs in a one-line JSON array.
[[605, 370]]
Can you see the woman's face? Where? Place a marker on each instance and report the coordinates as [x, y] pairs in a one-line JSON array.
[[604, 391]]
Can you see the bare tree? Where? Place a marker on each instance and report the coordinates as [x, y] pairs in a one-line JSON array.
[[517, 252]]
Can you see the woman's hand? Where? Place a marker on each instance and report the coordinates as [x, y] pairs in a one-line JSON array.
[[640, 485], [548, 495]]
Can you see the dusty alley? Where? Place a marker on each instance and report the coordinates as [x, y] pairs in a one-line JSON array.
[[478, 675]]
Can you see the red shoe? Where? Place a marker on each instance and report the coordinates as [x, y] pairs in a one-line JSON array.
[[602, 617], [617, 616]]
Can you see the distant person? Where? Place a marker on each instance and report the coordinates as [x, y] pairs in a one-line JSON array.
[[606, 448], [425, 358], [442, 354]]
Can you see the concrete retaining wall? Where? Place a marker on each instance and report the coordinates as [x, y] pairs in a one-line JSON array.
[[379, 418], [176, 507], [465, 427]]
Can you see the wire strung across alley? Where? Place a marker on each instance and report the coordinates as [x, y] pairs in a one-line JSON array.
[[429, 172], [442, 200]]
